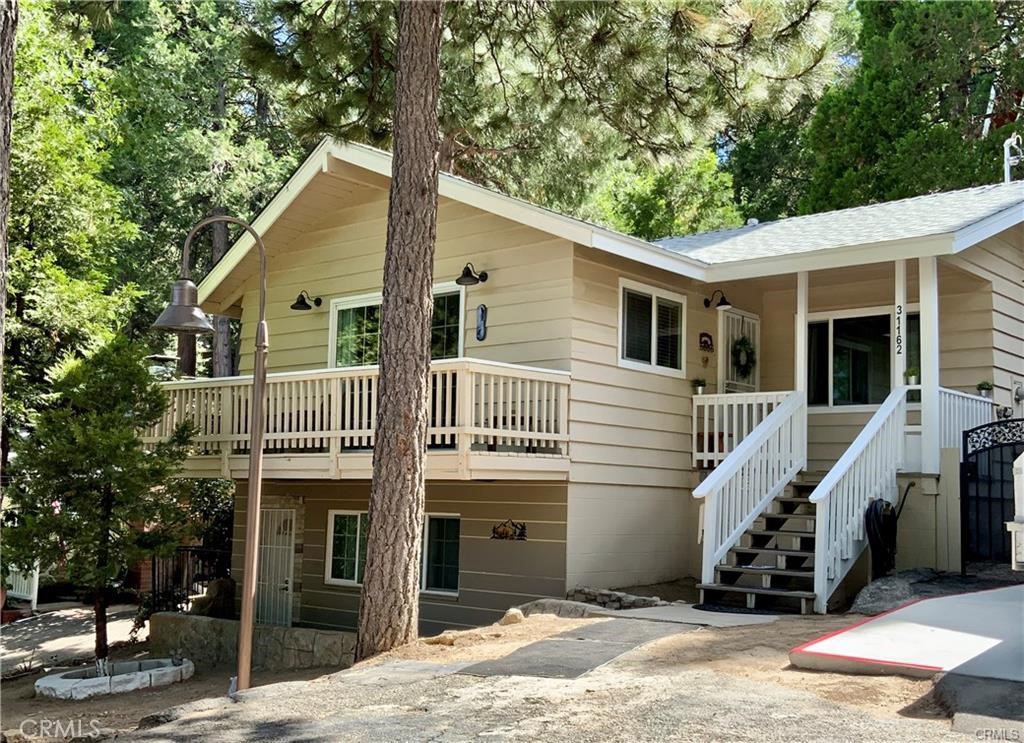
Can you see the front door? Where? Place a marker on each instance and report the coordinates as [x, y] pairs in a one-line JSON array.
[[276, 563], [739, 336], [986, 489]]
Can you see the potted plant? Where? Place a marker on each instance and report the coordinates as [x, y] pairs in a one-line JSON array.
[[985, 389], [912, 375], [698, 385]]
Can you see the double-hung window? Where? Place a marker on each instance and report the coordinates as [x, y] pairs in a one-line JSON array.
[[355, 327], [346, 550], [651, 328], [850, 355]]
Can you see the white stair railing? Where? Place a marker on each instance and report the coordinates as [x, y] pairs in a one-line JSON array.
[[959, 412], [721, 422], [866, 471], [746, 481]]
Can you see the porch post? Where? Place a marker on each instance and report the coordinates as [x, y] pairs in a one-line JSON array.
[[800, 351], [929, 290], [899, 365]]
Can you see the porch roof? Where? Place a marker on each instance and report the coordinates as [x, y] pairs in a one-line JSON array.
[[962, 216]]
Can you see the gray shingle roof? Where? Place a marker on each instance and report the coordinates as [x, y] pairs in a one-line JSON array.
[[920, 216]]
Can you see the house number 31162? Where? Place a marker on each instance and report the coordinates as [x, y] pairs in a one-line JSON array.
[[899, 330]]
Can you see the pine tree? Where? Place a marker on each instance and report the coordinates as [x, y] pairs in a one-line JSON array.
[[8, 32], [84, 486]]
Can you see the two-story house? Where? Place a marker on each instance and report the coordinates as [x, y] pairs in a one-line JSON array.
[[567, 443]]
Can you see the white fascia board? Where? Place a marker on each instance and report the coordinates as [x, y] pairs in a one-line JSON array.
[[985, 228], [820, 260], [647, 254], [315, 163]]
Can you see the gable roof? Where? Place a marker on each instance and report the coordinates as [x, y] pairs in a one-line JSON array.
[[378, 163], [950, 212], [931, 225]]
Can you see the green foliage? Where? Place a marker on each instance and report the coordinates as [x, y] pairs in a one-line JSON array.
[[651, 201], [210, 510], [66, 224], [85, 492], [531, 93], [911, 118]]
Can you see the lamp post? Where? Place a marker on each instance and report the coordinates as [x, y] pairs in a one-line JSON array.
[[184, 315]]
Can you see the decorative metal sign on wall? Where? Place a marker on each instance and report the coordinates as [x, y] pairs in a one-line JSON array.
[[509, 529], [706, 343]]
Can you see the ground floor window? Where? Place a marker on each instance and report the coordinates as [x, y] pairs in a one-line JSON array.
[[346, 550], [850, 356]]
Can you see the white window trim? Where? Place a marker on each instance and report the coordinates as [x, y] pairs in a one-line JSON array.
[[360, 300], [656, 293], [909, 308], [329, 552], [329, 549]]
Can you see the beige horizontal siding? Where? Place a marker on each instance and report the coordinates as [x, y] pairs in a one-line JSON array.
[[493, 575], [527, 294]]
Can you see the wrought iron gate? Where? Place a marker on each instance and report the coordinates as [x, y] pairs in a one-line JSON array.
[[986, 489]]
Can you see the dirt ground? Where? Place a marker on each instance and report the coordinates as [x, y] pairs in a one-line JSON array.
[[757, 653], [119, 713]]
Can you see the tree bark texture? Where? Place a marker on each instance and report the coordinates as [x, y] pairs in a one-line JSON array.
[[221, 353], [389, 610], [8, 33]]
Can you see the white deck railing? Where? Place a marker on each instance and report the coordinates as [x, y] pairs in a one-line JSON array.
[[959, 412], [722, 422], [24, 586], [747, 480], [474, 405], [866, 471]]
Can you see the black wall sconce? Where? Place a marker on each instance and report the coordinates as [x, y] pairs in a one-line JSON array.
[[722, 304], [302, 305], [470, 277]]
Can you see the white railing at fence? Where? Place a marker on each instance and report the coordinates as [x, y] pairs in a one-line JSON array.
[[866, 471], [721, 422], [744, 484], [24, 586], [1016, 527], [959, 412], [473, 405]]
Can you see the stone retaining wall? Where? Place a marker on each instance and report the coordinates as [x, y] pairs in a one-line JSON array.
[[612, 599], [208, 641]]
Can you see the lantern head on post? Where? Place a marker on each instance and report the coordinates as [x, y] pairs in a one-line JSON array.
[[183, 314]]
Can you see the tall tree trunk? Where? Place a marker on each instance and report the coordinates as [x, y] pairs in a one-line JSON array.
[[8, 32], [389, 609], [102, 572], [187, 354], [221, 355]]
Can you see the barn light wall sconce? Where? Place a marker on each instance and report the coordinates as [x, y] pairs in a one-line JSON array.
[[302, 304], [470, 277], [722, 304]]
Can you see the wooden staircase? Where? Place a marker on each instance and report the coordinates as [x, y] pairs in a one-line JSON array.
[[772, 567]]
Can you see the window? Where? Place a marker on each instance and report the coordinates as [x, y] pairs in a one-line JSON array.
[[651, 328], [441, 554], [346, 550], [850, 357], [355, 327], [346, 546]]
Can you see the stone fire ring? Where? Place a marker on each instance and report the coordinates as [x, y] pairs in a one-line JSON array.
[[125, 676]]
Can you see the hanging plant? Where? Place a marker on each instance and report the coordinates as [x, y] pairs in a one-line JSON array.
[[744, 357]]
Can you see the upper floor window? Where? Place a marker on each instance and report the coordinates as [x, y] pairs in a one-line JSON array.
[[850, 355], [355, 327], [651, 328]]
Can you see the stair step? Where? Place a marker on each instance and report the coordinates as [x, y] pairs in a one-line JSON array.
[[755, 570], [794, 499], [804, 516], [780, 533], [774, 551], [778, 592]]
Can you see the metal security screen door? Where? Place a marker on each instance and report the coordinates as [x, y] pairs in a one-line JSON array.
[[277, 556], [986, 489], [734, 324]]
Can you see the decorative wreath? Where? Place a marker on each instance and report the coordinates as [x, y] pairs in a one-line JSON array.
[[744, 357]]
